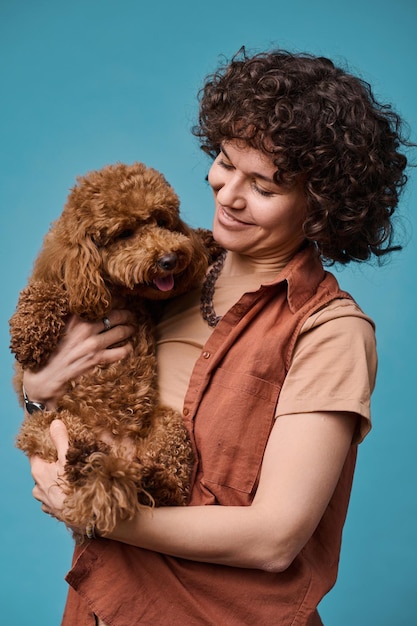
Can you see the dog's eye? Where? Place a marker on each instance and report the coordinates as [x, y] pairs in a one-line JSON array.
[[126, 234], [161, 219]]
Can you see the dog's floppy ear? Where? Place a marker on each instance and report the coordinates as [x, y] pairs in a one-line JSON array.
[[74, 263], [87, 292], [213, 249]]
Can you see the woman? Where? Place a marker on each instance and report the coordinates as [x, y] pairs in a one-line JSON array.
[[273, 376]]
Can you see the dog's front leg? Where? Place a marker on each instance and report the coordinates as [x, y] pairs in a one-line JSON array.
[[103, 483], [37, 324], [168, 459]]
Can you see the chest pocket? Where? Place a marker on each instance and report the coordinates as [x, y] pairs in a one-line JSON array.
[[231, 434]]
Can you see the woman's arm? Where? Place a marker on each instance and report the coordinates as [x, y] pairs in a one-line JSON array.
[[301, 467], [83, 345], [302, 464]]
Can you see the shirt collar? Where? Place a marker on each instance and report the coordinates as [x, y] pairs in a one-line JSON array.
[[302, 274]]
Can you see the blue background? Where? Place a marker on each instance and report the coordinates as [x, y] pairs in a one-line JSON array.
[[90, 82]]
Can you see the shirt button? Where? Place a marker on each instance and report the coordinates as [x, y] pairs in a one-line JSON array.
[[206, 355], [186, 411]]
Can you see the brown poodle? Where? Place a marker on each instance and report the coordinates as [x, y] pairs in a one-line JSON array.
[[119, 239]]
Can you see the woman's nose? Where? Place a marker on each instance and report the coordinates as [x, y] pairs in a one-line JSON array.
[[230, 194]]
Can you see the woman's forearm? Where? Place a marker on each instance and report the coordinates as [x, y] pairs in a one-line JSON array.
[[302, 464], [239, 536]]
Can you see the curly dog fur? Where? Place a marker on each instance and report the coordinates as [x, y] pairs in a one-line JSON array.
[[119, 239]]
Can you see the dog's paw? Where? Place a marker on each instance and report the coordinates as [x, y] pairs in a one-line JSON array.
[[103, 488], [37, 323], [211, 246]]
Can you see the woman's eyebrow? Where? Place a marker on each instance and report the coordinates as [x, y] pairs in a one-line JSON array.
[[223, 150], [255, 174]]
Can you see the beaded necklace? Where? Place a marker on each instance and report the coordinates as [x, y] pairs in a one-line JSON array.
[[207, 292]]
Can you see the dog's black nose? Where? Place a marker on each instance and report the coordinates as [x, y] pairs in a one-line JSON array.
[[168, 261]]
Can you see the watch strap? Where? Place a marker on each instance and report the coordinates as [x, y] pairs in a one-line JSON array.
[[32, 407]]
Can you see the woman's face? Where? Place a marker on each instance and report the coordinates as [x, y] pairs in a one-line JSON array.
[[253, 215]]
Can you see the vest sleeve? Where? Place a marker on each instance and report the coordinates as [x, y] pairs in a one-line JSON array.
[[334, 365]]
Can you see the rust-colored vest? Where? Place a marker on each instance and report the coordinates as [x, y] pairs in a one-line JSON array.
[[229, 410]]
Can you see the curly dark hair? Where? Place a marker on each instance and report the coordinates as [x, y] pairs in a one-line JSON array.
[[321, 124]]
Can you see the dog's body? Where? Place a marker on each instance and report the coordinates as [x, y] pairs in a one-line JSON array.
[[119, 240]]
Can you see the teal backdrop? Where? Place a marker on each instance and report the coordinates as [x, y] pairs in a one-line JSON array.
[[90, 82]]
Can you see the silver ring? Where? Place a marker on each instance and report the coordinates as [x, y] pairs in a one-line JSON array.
[[107, 324]]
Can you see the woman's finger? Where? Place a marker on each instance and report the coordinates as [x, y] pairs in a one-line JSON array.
[[117, 317], [48, 480], [59, 436]]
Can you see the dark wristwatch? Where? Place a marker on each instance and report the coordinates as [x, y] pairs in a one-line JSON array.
[[32, 407]]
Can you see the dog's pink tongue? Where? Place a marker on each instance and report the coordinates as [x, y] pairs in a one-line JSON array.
[[165, 283]]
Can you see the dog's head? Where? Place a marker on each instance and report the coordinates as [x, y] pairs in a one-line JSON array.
[[121, 234]]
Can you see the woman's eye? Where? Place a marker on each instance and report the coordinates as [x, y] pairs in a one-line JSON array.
[[262, 192], [225, 165]]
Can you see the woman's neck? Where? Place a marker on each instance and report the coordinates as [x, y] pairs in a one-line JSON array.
[[237, 265]]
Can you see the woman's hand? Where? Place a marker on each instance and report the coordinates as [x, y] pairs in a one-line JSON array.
[[83, 345], [49, 486]]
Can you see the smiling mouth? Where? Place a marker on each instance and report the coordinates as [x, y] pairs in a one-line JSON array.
[[231, 218]]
